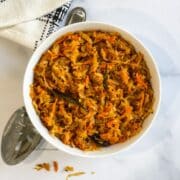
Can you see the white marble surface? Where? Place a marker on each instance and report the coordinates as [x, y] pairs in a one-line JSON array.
[[156, 156]]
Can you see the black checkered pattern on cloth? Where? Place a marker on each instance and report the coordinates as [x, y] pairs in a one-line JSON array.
[[52, 22], [55, 17]]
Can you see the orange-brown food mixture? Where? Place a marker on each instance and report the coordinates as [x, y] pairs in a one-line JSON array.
[[92, 89]]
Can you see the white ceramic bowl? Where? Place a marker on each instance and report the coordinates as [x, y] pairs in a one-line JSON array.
[[28, 79]]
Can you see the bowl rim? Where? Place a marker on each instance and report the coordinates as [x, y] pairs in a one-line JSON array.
[[36, 56]]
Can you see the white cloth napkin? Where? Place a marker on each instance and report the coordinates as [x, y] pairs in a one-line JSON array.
[[29, 22]]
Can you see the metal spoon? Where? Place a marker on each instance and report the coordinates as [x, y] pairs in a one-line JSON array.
[[20, 138]]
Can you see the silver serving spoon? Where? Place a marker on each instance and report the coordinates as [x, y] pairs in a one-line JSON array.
[[20, 138]]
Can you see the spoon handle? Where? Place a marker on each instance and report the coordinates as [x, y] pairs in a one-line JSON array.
[[76, 15]]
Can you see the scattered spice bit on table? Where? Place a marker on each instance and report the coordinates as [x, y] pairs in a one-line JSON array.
[[45, 166], [38, 167], [56, 166], [74, 174], [92, 172], [69, 168]]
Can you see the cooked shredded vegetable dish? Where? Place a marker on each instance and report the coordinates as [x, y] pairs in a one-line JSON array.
[[92, 89]]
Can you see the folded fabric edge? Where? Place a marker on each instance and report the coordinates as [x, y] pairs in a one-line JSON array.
[[18, 37], [30, 41], [19, 21]]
